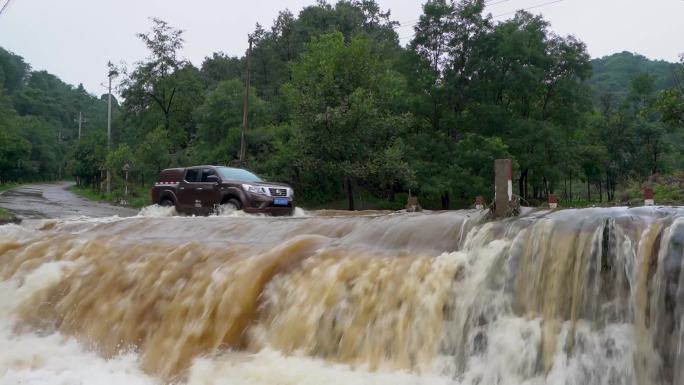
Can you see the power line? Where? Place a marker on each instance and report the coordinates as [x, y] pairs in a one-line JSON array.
[[527, 9], [496, 2], [407, 23], [403, 24], [414, 22], [4, 7], [488, 3]]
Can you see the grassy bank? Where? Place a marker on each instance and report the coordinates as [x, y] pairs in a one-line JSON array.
[[136, 198], [667, 190], [7, 186], [7, 217]]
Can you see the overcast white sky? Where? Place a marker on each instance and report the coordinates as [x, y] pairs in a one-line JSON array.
[[74, 39]]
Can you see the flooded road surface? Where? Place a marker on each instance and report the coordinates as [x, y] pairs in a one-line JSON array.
[[564, 297], [54, 200]]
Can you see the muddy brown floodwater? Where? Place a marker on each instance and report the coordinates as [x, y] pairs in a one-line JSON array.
[[564, 297]]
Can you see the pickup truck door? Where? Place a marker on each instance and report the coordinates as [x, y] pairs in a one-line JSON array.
[[187, 194], [208, 192]]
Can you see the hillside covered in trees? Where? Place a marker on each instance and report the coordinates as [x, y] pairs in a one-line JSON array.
[[343, 112], [614, 74], [37, 127]]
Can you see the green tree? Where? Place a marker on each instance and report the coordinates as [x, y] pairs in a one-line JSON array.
[[14, 156], [13, 71], [161, 89], [86, 158], [340, 96], [220, 121], [220, 67]]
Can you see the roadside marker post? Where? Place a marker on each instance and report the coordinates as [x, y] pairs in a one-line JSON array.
[[649, 197], [553, 201], [503, 186]]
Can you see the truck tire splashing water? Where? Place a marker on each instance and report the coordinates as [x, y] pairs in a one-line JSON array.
[[590, 296]]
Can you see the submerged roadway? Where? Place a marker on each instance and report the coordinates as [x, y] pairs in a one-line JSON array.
[[54, 200]]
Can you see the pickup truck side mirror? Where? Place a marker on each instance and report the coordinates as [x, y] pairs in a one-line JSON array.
[[213, 179]]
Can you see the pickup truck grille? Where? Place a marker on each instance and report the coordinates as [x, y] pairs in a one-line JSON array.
[[278, 192]]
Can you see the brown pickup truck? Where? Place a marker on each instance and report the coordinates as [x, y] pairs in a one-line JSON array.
[[203, 190]]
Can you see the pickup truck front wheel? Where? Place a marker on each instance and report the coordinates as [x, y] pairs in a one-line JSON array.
[[232, 204], [166, 202]]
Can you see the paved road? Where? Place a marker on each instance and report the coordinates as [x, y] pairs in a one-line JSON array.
[[54, 200]]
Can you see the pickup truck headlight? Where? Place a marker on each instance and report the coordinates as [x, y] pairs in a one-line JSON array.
[[255, 189]]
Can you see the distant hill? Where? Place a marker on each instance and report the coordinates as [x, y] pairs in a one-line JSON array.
[[614, 73]]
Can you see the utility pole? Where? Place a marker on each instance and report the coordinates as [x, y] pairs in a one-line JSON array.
[[80, 122], [59, 146], [245, 105], [112, 73]]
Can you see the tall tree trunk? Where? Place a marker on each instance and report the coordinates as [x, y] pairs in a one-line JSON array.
[[545, 184], [522, 183], [588, 190], [350, 195], [600, 188]]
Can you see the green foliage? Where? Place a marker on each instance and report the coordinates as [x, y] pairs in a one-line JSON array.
[[613, 74], [6, 216], [13, 71], [153, 152], [14, 156], [670, 104], [120, 159], [340, 96], [219, 121], [341, 111], [37, 127], [87, 157], [219, 67]]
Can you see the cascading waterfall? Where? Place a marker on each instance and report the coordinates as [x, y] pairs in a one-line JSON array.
[[591, 296]]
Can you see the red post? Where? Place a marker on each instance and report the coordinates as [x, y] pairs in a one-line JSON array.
[[553, 201], [648, 197]]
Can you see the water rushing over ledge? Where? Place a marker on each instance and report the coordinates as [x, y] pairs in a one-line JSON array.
[[591, 296]]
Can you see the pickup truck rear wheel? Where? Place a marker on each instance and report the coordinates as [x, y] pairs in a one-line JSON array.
[[166, 202]]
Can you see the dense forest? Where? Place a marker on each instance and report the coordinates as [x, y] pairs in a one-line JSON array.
[[614, 74], [343, 112]]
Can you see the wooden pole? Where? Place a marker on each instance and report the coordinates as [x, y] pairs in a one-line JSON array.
[[245, 105]]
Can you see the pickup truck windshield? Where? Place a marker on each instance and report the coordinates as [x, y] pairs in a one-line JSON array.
[[230, 173]]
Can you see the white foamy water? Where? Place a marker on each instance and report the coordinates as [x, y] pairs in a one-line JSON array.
[[157, 211], [576, 297], [31, 358], [269, 367], [54, 359]]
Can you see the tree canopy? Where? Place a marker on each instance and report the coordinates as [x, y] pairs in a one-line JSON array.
[[339, 109]]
